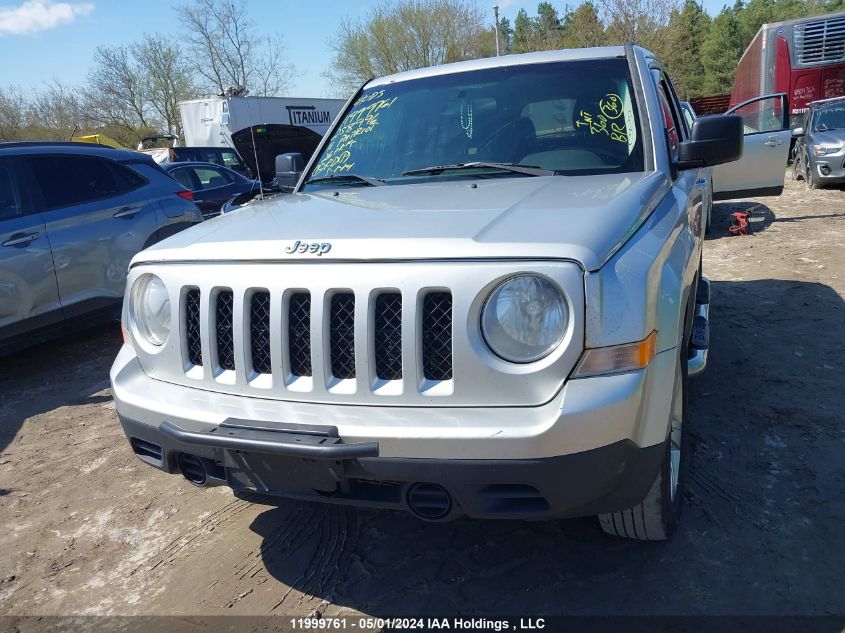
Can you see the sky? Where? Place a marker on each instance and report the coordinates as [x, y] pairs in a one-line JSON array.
[[43, 40]]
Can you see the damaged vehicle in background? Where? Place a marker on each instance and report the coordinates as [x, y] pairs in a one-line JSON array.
[[484, 298]]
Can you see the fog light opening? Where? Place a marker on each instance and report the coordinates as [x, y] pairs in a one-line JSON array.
[[192, 469], [431, 502]]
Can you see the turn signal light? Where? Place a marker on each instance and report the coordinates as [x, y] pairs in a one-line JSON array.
[[617, 358], [127, 340]]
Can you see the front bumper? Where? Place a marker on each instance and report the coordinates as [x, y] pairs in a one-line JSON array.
[[601, 480], [828, 169], [596, 447]]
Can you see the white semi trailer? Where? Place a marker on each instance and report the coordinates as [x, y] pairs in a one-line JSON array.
[[259, 128]]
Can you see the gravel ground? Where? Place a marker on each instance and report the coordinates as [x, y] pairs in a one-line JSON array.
[[89, 529]]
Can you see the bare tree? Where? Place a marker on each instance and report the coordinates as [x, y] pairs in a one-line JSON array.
[[406, 35], [13, 113], [59, 107], [117, 90], [166, 78], [139, 87], [228, 51], [639, 21]]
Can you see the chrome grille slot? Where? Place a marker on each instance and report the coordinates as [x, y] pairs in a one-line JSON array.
[[388, 336], [224, 328], [193, 342], [259, 324], [437, 336], [342, 335], [299, 333]]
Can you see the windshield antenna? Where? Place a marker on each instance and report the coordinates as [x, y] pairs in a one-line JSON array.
[[255, 151]]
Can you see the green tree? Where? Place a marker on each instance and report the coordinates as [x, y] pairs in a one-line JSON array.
[[547, 28], [683, 56], [583, 27], [721, 49], [523, 32], [505, 36]]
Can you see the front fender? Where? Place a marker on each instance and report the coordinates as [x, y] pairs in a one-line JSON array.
[[646, 285]]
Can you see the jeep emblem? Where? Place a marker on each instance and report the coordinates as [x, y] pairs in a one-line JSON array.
[[315, 248]]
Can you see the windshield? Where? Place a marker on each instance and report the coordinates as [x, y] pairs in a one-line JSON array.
[[574, 117], [830, 117]]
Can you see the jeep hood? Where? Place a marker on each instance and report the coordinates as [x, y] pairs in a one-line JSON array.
[[579, 218]]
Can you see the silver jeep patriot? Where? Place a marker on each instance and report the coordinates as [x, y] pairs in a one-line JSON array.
[[483, 298]]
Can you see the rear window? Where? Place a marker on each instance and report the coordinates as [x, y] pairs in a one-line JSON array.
[[183, 177], [66, 180]]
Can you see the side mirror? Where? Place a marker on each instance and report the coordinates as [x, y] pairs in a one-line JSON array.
[[714, 140], [799, 131], [289, 168]]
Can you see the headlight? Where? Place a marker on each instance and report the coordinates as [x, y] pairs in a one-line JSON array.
[[524, 319], [824, 150], [151, 309]]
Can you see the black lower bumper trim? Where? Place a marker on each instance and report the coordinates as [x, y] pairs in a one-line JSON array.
[[256, 440], [606, 479]]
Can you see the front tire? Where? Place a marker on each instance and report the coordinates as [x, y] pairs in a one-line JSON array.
[[797, 169], [656, 516], [809, 180]]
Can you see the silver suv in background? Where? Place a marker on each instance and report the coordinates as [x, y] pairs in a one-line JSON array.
[[483, 298], [72, 216], [819, 157]]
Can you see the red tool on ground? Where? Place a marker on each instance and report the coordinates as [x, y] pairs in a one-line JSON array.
[[739, 223]]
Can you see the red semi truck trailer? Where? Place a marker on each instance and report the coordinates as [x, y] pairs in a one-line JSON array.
[[803, 58]]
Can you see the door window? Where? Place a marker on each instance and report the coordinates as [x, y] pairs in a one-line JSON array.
[[69, 180], [210, 178], [669, 125], [764, 115], [10, 193]]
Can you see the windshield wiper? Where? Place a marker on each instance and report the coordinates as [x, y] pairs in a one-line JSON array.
[[528, 170], [373, 182]]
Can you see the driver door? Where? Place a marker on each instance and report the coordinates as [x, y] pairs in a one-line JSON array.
[[761, 170]]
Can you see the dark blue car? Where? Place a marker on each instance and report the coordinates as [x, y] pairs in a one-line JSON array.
[[212, 185]]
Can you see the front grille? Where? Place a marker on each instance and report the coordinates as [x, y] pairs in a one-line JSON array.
[[225, 334], [259, 324], [380, 333], [820, 41], [342, 332], [388, 336], [437, 336], [299, 334], [192, 326]]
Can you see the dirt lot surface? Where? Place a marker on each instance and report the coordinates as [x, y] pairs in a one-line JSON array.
[[87, 528]]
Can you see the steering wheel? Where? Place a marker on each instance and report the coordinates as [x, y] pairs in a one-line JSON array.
[[485, 145]]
